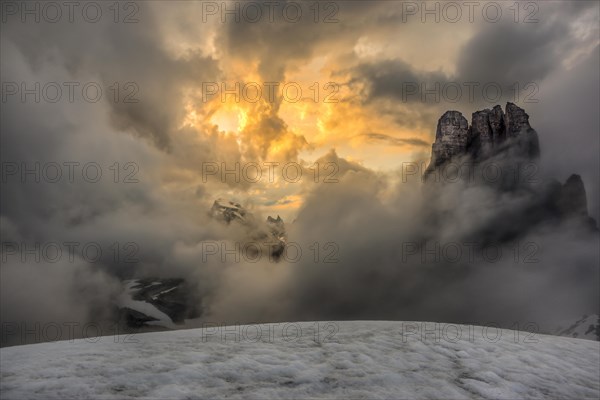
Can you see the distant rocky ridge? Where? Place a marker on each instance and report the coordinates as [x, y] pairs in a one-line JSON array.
[[270, 233], [228, 211]]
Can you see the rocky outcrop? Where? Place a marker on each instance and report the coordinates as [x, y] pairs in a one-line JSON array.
[[508, 141], [492, 134]]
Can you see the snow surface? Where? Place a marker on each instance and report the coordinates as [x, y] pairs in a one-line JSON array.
[[349, 360]]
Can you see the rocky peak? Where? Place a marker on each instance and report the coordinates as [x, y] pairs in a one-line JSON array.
[[272, 220], [277, 228]]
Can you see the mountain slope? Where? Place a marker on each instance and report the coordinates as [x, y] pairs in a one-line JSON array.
[[296, 360]]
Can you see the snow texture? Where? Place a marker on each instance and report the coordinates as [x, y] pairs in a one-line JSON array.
[[346, 360]]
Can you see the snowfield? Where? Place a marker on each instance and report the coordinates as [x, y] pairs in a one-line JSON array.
[[346, 360]]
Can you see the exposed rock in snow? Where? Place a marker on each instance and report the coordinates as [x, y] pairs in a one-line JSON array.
[[586, 327], [153, 302]]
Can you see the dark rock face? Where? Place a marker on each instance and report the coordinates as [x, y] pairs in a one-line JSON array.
[[451, 138], [524, 137], [488, 131], [571, 203], [573, 200], [496, 120], [516, 120]]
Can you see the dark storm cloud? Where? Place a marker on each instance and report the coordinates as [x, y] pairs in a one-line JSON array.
[[516, 58], [377, 276], [110, 53], [282, 45], [395, 79], [37, 211], [508, 53]]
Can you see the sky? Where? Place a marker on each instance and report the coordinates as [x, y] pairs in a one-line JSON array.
[[352, 82], [190, 90]]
